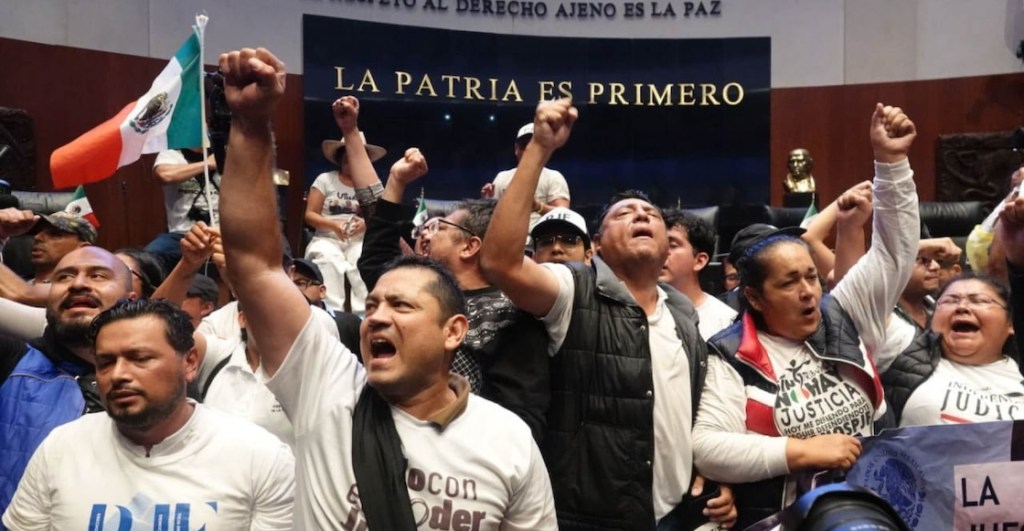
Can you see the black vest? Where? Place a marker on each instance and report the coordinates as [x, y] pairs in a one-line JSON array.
[[599, 446], [909, 370]]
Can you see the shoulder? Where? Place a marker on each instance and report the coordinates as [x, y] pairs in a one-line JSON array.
[[170, 156], [237, 432], [486, 417], [87, 427]]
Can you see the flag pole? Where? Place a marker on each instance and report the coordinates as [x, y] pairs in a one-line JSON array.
[[200, 29]]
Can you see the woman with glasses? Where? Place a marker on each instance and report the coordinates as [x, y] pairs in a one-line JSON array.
[[791, 384], [957, 371]]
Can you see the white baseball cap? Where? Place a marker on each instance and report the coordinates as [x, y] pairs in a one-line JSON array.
[[562, 216], [526, 130]]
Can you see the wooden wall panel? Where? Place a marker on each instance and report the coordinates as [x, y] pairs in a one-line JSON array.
[[69, 90], [832, 122]]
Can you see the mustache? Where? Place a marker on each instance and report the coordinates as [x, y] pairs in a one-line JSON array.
[[71, 297], [122, 388]]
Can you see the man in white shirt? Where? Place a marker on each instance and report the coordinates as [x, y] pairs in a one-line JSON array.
[[691, 242], [552, 189], [155, 457], [628, 361], [412, 449], [182, 172]]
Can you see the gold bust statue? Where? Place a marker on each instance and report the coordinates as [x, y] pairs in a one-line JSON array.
[[800, 165]]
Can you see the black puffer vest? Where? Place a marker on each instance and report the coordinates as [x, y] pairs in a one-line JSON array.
[[600, 440], [909, 370], [835, 340]]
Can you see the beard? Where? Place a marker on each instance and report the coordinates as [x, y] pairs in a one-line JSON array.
[[69, 333], [151, 413]]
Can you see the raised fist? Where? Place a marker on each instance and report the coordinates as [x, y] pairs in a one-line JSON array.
[[254, 82], [553, 122], [410, 167], [346, 113], [892, 133]]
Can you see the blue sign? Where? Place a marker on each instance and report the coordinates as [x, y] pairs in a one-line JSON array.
[[686, 120]]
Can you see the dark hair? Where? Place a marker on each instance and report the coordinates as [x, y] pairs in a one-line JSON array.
[[1002, 291], [177, 324], [151, 274], [620, 196], [753, 270], [444, 288], [699, 232], [478, 215]]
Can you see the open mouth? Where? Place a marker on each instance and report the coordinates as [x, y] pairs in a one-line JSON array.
[[643, 232], [964, 327], [81, 301], [381, 348], [808, 312]]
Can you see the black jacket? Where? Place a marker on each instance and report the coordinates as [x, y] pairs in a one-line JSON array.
[[600, 441]]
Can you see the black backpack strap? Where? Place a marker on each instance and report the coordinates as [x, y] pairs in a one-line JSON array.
[[209, 379]]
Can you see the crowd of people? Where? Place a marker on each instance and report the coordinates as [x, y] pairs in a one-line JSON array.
[[510, 368]]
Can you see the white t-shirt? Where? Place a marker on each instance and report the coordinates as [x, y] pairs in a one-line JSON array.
[[340, 202], [899, 334], [216, 471], [551, 186], [483, 470], [673, 404], [958, 394], [238, 390], [714, 315], [179, 197]]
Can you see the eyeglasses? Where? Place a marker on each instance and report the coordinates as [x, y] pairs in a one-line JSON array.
[[432, 228], [974, 300], [303, 283], [569, 240]]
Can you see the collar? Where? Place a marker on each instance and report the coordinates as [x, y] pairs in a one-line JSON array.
[[444, 416], [54, 349]]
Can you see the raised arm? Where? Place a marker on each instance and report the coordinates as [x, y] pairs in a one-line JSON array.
[[817, 231], [254, 81], [1010, 233], [196, 249], [503, 260], [870, 289], [853, 211], [382, 242]]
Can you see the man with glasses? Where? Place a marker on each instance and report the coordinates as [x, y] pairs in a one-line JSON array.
[[561, 237], [503, 355]]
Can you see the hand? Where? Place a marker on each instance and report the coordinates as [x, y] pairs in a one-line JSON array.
[[14, 222], [892, 133], [218, 258], [410, 167], [356, 227], [941, 249], [1010, 231], [1015, 179], [854, 206], [823, 451], [254, 82], [211, 162], [346, 113], [487, 191], [197, 245], [553, 122], [721, 510]]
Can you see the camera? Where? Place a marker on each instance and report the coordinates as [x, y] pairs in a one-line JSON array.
[[198, 214], [219, 116]]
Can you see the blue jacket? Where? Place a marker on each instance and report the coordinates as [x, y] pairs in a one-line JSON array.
[[40, 394]]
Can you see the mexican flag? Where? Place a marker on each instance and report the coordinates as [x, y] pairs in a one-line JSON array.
[[168, 116], [421, 212], [812, 211], [79, 206]]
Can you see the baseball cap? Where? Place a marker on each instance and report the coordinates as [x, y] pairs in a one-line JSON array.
[[752, 234], [205, 288], [308, 268], [524, 131], [66, 222], [562, 218]]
